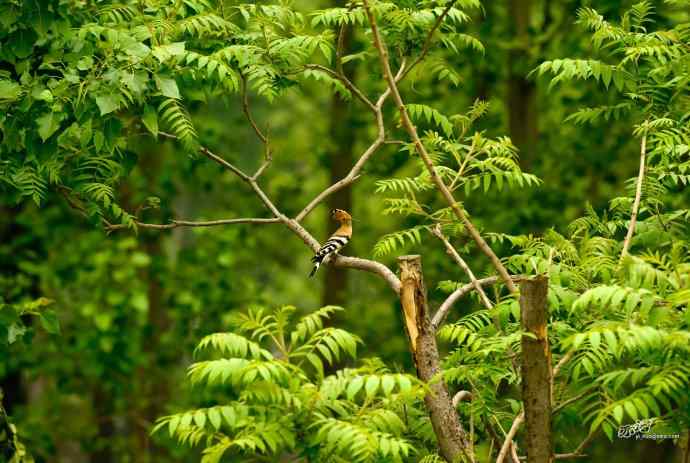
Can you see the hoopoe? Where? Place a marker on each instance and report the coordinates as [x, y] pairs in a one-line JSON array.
[[337, 240]]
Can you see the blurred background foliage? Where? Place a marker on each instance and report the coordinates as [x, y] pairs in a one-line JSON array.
[[110, 320]]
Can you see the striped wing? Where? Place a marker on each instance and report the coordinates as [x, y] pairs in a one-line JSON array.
[[334, 244]]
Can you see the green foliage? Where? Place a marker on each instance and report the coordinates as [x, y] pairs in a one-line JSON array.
[[479, 164], [277, 398]]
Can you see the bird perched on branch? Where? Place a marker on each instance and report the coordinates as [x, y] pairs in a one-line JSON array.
[[337, 240]]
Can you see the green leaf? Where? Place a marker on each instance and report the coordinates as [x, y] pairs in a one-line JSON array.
[[172, 425], [15, 331], [47, 125], [372, 386], [200, 418], [354, 387], [50, 322], [387, 384], [9, 90], [618, 413], [150, 119], [165, 52], [214, 417], [168, 87], [108, 103]]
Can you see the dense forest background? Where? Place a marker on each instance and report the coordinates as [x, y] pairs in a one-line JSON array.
[[99, 322]]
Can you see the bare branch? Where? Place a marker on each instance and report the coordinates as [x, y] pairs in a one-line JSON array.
[[572, 400], [247, 112], [442, 311], [421, 150], [463, 265], [353, 175], [268, 153], [565, 359], [460, 396], [577, 453], [189, 223], [346, 82], [638, 196], [513, 453], [214, 157], [505, 448]]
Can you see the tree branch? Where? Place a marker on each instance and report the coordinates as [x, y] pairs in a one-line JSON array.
[[188, 223], [214, 157], [353, 175], [292, 224], [638, 196], [442, 311], [508, 442], [460, 396], [574, 399], [436, 230], [247, 112], [421, 150], [429, 37], [346, 82]]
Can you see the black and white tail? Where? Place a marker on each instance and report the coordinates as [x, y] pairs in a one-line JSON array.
[[334, 244]]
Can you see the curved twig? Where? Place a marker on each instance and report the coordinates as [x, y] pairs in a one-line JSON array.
[[442, 311]]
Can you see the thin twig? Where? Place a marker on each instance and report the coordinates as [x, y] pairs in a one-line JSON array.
[[191, 223], [268, 153], [442, 311], [247, 112], [421, 150], [354, 173], [427, 42], [505, 448], [513, 453], [346, 82], [577, 453], [638, 195], [565, 359], [436, 230], [572, 400], [214, 157]]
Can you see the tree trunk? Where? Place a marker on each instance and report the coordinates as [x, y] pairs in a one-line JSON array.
[[340, 161], [522, 92], [536, 369], [452, 439]]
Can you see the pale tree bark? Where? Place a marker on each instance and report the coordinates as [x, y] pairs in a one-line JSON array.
[[536, 369], [638, 197], [452, 439]]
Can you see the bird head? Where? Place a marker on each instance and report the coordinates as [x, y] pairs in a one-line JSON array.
[[340, 215]]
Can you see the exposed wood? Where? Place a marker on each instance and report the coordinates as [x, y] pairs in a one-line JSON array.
[[536, 369], [452, 439]]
